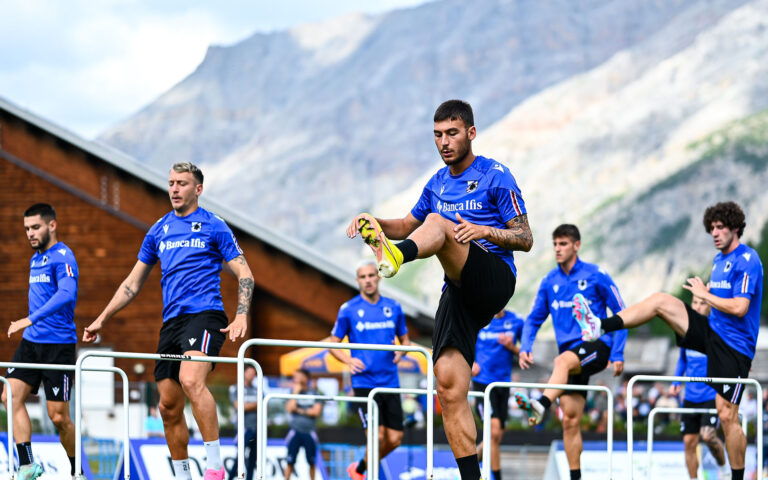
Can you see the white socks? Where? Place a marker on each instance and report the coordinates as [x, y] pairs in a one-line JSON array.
[[181, 469], [213, 454]]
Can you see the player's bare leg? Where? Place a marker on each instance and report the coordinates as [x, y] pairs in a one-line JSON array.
[[668, 308], [573, 408], [567, 363], [22, 426], [171, 404], [192, 376], [497, 432], [58, 412], [436, 237], [735, 441], [453, 377]]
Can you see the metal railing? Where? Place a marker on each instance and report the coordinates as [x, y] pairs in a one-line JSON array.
[[583, 388], [141, 356], [655, 410], [261, 442], [54, 366], [672, 378]]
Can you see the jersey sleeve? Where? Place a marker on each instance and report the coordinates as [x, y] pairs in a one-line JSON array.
[[400, 326], [617, 348], [65, 295], [610, 292], [148, 250], [424, 206], [341, 327], [226, 242], [539, 313], [507, 197], [518, 328], [680, 367], [746, 277]]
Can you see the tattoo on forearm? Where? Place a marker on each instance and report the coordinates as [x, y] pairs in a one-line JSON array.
[[244, 294], [516, 236], [128, 292]]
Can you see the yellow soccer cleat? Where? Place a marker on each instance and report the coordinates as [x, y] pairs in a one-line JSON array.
[[388, 256]]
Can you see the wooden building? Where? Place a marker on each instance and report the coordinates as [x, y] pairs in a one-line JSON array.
[[105, 203]]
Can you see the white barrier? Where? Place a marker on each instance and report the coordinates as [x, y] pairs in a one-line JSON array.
[[655, 410], [587, 388], [54, 366], [261, 442], [672, 378], [142, 356]]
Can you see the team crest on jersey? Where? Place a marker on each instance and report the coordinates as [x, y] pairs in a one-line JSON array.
[[45, 260], [387, 311], [471, 186], [728, 266], [582, 284], [196, 226], [165, 229], [360, 313], [507, 325], [555, 288]]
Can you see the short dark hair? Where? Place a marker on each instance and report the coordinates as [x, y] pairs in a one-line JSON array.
[[729, 213], [567, 230], [249, 365], [305, 372], [455, 109], [45, 211], [190, 167]]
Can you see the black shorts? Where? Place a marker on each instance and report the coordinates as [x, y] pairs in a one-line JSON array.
[[390, 409], [57, 383], [693, 422], [295, 440], [499, 402], [487, 284], [189, 332], [594, 357], [722, 360]]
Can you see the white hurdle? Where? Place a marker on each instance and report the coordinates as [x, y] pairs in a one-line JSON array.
[[136, 356], [655, 410], [587, 388], [671, 378], [54, 366], [261, 442]]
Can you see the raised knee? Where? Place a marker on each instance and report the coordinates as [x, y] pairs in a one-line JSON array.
[[191, 384], [60, 420]]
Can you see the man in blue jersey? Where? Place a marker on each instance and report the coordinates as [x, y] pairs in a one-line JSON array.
[[728, 337], [698, 395], [191, 244], [495, 352], [471, 216], [578, 360], [49, 337], [372, 318]]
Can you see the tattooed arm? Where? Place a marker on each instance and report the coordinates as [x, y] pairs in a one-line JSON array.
[[239, 325], [517, 235], [124, 295]]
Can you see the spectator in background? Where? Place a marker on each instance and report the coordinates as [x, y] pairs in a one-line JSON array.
[[153, 425], [250, 422], [304, 413]]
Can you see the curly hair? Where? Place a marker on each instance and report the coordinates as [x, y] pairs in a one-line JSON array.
[[727, 212]]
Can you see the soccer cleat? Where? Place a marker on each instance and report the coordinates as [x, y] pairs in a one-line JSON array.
[[388, 256], [29, 472], [532, 406], [212, 474], [352, 472], [589, 322]]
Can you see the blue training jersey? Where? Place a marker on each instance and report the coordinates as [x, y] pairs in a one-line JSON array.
[[738, 274], [495, 359], [485, 193], [52, 296], [555, 297], [694, 364], [191, 250], [378, 323]]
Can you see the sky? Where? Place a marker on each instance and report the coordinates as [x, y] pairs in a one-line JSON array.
[[86, 64]]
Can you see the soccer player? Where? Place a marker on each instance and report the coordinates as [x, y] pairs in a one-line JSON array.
[[304, 413], [49, 337], [578, 360], [372, 318], [191, 244], [728, 337], [471, 215], [698, 395], [495, 352]]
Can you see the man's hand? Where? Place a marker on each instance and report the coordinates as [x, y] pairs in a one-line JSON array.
[[674, 390], [618, 368], [91, 332], [697, 287], [19, 325], [466, 232], [352, 228], [475, 369], [526, 360], [506, 340], [398, 357], [355, 365], [237, 328]]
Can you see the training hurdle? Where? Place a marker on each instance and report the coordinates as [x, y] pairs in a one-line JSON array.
[[672, 378], [583, 388], [136, 356], [655, 410], [269, 342], [53, 366]]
